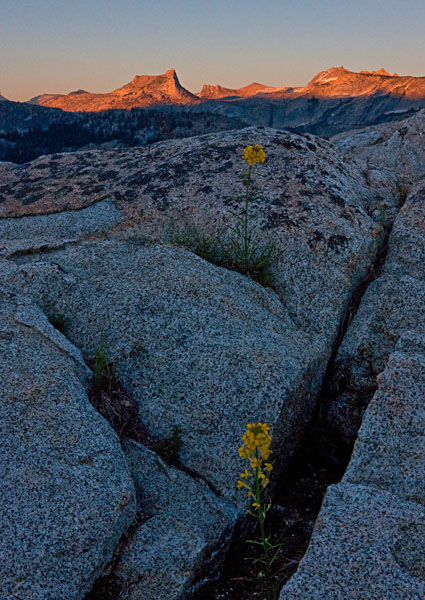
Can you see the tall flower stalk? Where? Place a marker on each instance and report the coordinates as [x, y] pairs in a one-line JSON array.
[[239, 245], [252, 155]]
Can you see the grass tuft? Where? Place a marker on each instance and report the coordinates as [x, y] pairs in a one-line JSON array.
[[227, 249]]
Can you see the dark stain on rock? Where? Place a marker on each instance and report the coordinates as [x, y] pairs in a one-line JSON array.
[[141, 179], [301, 178], [129, 195], [409, 551], [32, 199], [180, 169], [65, 189], [315, 239], [276, 219], [109, 174], [336, 242], [309, 193], [26, 191], [42, 166], [289, 144], [336, 199], [160, 197], [224, 167], [164, 173], [281, 201], [305, 207], [230, 201]]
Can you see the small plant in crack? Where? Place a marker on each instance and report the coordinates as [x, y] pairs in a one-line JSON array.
[[59, 322], [117, 405], [255, 479], [104, 370], [169, 449], [113, 401], [206, 243]]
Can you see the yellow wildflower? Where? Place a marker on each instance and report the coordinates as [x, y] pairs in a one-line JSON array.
[[255, 463], [256, 449], [264, 480], [257, 442], [244, 453], [254, 154]]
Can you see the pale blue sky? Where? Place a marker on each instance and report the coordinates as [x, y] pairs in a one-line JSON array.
[[99, 45]]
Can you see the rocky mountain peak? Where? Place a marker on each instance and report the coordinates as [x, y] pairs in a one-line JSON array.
[[143, 80], [380, 71], [171, 73], [328, 75], [78, 92], [340, 82], [334, 74], [215, 92], [212, 92], [141, 92]]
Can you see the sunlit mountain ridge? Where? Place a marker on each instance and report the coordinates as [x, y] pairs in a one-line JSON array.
[[165, 89]]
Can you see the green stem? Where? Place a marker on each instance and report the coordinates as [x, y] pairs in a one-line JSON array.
[[261, 514], [246, 240]]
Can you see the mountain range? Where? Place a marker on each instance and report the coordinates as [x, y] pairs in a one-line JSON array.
[[152, 90]]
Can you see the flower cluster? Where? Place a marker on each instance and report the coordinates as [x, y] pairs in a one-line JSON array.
[[256, 449], [254, 154]]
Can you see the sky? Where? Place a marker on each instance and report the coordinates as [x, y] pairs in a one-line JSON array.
[[54, 46]]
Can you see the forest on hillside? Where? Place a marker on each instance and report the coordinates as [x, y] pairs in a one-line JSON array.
[[60, 131]]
